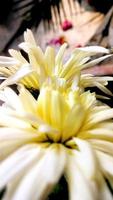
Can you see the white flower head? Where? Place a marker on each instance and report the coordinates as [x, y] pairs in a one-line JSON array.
[[43, 66], [56, 135]]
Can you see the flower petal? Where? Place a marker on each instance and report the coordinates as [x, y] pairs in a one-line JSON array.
[[20, 160], [40, 180], [50, 60], [79, 186], [73, 122], [86, 158], [106, 162]]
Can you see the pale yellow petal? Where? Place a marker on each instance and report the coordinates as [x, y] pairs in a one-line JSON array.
[[50, 60], [25, 70], [28, 101], [59, 59], [73, 122]]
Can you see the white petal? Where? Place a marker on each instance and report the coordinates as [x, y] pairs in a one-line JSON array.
[[18, 161], [94, 49], [13, 121], [101, 116], [95, 61], [79, 186], [86, 159], [42, 177], [102, 145], [11, 139], [28, 36], [25, 70], [7, 61], [8, 95], [17, 56], [105, 193], [106, 162]]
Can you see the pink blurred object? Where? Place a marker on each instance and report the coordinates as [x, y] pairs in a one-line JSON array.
[[57, 41], [66, 25], [78, 45]]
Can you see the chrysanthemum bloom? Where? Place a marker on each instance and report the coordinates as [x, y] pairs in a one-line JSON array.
[[42, 67], [54, 136]]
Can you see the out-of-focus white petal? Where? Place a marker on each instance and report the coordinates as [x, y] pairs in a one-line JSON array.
[[95, 61], [28, 36], [103, 134], [79, 186], [13, 121], [8, 95], [104, 192], [86, 158], [43, 176], [106, 162], [18, 161], [12, 138], [24, 71], [94, 49], [17, 56], [7, 61], [102, 145]]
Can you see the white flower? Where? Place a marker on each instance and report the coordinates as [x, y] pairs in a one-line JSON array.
[[48, 67], [56, 135]]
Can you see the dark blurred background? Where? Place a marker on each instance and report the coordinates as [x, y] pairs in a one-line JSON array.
[[17, 15]]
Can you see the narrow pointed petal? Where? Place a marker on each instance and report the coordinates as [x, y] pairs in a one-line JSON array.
[[59, 60], [86, 159], [102, 145], [50, 60], [25, 70], [11, 139], [106, 163], [7, 61], [96, 61], [94, 49], [17, 56], [41, 177], [79, 186], [18, 161], [28, 101], [28, 36]]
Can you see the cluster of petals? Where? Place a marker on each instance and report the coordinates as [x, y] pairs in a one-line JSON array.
[[64, 132], [37, 68]]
